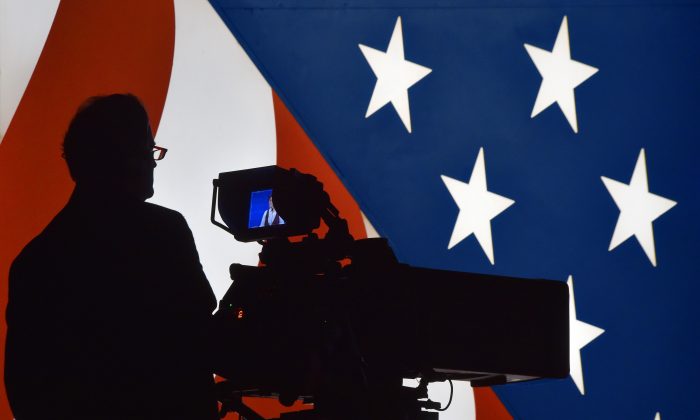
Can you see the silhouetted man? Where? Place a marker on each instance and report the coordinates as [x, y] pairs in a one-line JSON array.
[[109, 308]]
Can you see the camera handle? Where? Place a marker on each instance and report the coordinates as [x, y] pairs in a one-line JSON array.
[[214, 196]]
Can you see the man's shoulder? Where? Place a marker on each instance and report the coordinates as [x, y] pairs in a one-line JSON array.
[[42, 243], [37, 253], [163, 214], [31, 250], [166, 221], [159, 210]]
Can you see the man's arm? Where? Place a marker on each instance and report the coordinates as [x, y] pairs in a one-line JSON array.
[[199, 345]]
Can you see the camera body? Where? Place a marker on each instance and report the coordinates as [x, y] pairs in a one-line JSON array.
[[340, 322]]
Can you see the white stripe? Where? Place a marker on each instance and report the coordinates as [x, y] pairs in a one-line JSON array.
[[24, 26], [218, 117], [369, 229]]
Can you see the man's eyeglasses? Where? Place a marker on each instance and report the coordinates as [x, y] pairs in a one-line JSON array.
[[159, 152]]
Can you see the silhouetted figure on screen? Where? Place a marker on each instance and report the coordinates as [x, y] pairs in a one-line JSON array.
[[109, 308]]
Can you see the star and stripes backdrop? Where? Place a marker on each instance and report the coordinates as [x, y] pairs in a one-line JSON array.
[[544, 139]]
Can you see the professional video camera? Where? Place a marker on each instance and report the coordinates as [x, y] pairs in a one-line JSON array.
[[340, 322]]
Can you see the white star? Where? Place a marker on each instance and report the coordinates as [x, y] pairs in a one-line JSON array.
[[394, 76], [477, 207], [638, 209], [560, 75], [580, 334]]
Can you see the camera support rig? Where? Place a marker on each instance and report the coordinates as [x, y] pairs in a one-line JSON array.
[[343, 336]]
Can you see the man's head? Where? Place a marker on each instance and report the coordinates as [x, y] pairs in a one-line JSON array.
[[270, 203], [109, 147]]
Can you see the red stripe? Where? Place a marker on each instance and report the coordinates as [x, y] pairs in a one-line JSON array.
[[93, 48]]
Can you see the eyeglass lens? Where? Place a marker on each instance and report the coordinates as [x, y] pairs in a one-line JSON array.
[[159, 152]]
